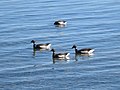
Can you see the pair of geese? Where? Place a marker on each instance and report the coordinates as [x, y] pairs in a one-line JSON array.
[[64, 55]]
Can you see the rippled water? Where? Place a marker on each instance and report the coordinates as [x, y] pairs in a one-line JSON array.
[[92, 24]]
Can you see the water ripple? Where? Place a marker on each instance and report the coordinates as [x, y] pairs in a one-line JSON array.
[[93, 24]]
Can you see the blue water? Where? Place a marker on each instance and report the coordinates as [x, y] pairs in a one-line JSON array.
[[91, 23]]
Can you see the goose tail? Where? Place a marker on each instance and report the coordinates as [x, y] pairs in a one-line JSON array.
[[91, 51]]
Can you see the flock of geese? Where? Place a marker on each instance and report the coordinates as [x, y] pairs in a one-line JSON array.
[[64, 55]]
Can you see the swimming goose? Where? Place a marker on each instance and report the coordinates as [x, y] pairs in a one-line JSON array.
[[83, 51], [60, 22], [60, 55], [41, 46]]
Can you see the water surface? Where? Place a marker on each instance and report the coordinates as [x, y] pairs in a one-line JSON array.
[[93, 24]]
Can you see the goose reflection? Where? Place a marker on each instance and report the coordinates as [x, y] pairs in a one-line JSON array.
[[39, 50], [55, 60], [83, 56], [60, 26]]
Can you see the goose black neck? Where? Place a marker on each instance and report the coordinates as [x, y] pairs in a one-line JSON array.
[[53, 54], [34, 45], [75, 50]]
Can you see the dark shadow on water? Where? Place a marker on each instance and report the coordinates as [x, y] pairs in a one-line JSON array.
[[39, 50], [60, 60], [83, 56], [60, 26]]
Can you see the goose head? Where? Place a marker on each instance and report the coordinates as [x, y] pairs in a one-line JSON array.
[[33, 41], [74, 46], [53, 50]]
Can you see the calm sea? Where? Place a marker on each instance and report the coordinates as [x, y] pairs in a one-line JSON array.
[[91, 23]]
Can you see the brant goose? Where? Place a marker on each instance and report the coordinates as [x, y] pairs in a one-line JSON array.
[[60, 22], [41, 46], [60, 55], [83, 51]]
